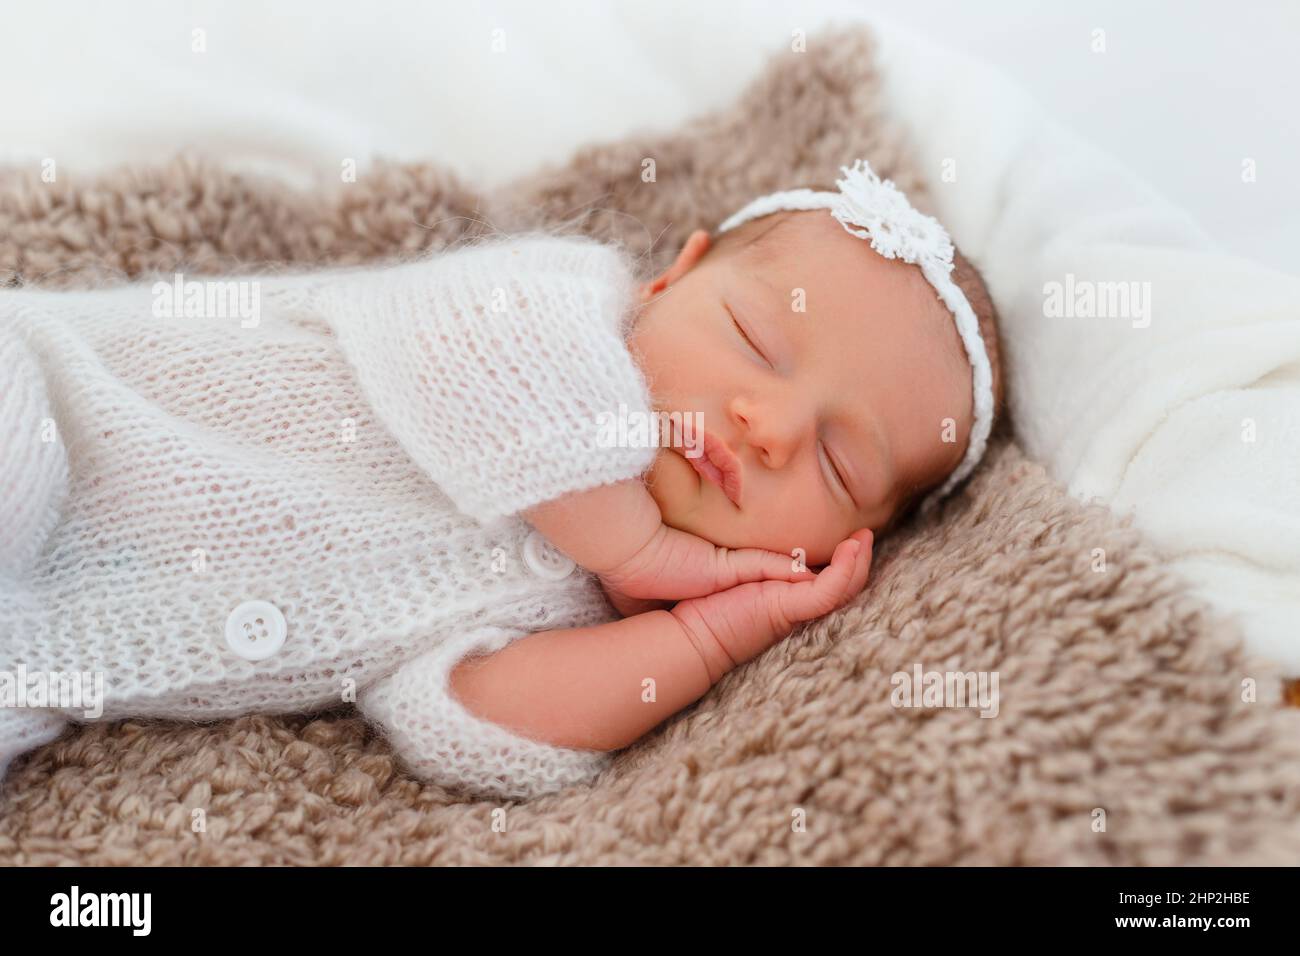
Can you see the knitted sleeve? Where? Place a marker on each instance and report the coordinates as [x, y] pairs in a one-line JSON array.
[[440, 741], [497, 365], [33, 484], [33, 458]]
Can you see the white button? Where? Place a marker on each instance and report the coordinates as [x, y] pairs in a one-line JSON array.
[[255, 630], [545, 560]]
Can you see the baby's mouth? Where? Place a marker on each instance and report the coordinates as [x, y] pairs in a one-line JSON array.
[[715, 463]]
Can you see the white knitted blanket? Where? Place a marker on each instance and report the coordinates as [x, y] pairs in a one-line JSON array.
[[279, 494]]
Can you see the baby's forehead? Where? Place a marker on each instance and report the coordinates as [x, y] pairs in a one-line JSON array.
[[860, 305], [811, 251]]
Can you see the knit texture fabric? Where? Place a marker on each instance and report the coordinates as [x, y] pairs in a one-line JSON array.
[[356, 455]]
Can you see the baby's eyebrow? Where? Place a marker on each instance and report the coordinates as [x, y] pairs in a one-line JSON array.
[[884, 453], [780, 299]]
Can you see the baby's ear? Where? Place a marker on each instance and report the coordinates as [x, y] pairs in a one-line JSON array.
[[648, 290], [696, 245]]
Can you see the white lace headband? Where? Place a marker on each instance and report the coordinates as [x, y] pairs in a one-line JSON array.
[[882, 214]]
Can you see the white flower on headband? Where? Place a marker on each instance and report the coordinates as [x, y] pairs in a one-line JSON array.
[[894, 228]]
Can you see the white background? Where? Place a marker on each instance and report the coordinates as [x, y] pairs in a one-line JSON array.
[[1184, 92]]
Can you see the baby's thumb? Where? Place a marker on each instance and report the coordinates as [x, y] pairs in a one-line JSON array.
[[833, 586]]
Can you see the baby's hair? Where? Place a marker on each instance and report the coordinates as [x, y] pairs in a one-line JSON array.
[[763, 239]]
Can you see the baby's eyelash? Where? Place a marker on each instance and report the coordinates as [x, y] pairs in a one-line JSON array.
[[839, 476], [745, 335], [834, 468]]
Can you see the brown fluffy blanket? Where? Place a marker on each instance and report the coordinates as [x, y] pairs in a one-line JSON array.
[[1122, 737]]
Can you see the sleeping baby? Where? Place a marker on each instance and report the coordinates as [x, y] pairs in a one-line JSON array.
[[392, 490]]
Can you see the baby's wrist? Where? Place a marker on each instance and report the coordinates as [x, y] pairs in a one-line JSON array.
[[695, 629], [600, 528]]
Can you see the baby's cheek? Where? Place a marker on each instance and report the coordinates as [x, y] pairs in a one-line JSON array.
[[669, 488], [791, 521]]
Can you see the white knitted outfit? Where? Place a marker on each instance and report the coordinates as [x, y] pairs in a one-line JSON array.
[[358, 460]]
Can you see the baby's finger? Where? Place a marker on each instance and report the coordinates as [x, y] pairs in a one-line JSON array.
[[861, 566], [742, 565]]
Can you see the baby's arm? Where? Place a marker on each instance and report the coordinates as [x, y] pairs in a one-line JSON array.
[[616, 531], [584, 688], [601, 527]]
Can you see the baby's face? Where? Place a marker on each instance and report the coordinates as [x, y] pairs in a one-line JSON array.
[[827, 417]]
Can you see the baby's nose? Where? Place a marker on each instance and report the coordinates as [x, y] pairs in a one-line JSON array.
[[774, 430], [775, 450]]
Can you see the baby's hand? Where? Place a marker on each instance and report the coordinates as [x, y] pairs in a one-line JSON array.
[[734, 626], [675, 564]]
